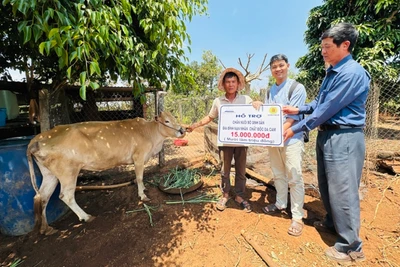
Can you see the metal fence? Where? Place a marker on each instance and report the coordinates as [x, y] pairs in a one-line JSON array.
[[382, 131], [104, 105]]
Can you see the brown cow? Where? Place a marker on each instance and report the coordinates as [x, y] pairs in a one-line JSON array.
[[63, 151]]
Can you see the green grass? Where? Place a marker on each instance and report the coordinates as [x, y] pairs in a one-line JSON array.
[[177, 178]]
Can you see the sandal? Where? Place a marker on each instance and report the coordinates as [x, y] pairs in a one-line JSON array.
[[221, 204], [245, 205], [271, 209], [296, 228]]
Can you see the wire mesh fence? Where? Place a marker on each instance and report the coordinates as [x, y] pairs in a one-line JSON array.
[[382, 131], [383, 127], [104, 105]]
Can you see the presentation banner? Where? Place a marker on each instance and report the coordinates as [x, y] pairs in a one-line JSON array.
[[244, 125]]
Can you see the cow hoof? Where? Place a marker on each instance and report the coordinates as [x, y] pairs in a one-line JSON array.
[[48, 231], [145, 198], [89, 218]]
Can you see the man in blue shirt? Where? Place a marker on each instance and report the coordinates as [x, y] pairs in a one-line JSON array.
[[286, 161], [339, 113]]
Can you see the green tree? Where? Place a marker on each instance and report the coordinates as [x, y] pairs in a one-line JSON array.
[[194, 98], [206, 73], [378, 46], [15, 55], [138, 40]]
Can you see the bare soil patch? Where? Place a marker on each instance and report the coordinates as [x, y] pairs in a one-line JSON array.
[[197, 234]]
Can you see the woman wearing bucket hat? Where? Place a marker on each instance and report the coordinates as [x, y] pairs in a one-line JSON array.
[[231, 82]]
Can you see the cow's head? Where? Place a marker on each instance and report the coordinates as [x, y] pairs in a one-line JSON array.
[[169, 125]]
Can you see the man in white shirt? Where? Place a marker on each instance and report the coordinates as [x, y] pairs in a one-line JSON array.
[[231, 82]]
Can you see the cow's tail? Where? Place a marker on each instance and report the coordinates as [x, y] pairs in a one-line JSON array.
[[37, 202]]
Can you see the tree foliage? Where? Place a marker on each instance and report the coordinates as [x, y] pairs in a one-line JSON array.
[[378, 45], [26, 58], [198, 77], [139, 40], [206, 73]]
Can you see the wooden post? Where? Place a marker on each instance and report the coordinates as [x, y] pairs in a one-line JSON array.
[[371, 129], [372, 107], [159, 108], [44, 110]]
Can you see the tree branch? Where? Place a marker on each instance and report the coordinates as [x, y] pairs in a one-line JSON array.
[[389, 19], [250, 77], [222, 63], [241, 65]]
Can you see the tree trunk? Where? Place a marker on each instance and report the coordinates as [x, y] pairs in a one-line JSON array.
[[247, 88], [262, 94], [44, 110]]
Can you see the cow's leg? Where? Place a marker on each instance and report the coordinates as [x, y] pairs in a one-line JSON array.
[[139, 168], [67, 194], [41, 200]]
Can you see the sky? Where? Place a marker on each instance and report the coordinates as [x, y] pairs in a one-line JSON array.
[[234, 28]]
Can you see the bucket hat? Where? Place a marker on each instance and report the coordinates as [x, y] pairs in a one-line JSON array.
[[235, 71]]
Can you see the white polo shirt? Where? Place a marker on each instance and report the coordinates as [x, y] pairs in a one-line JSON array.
[[222, 100]]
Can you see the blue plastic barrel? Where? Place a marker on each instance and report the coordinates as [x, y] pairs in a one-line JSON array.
[[16, 191], [3, 116]]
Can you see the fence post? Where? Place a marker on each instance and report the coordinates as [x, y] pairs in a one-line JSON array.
[[371, 129], [44, 110], [159, 108], [372, 110]]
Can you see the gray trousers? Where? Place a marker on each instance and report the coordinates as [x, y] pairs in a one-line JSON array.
[[340, 160], [239, 154]]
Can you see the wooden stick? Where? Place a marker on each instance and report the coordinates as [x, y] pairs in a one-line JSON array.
[[101, 187], [262, 253], [258, 176]]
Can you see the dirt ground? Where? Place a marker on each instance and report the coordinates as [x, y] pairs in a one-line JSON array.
[[198, 235]]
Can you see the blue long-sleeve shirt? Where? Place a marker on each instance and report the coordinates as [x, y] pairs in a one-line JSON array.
[[341, 99]]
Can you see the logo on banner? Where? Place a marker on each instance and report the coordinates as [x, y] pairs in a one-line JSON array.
[[273, 110]]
